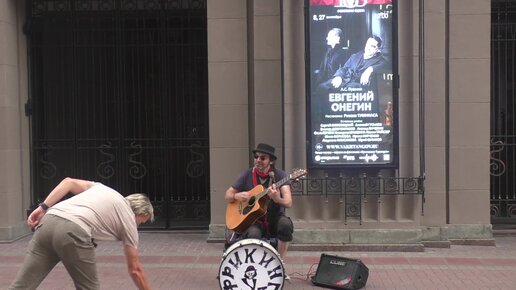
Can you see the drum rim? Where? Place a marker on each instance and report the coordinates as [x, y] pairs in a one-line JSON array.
[[252, 241], [241, 243]]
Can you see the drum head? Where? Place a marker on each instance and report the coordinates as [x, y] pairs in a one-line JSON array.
[[251, 264]]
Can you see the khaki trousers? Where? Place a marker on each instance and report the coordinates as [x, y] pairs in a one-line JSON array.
[[58, 239]]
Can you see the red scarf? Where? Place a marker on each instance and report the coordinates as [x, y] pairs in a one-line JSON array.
[[257, 173]]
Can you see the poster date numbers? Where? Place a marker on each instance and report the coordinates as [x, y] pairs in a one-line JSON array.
[[319, 17]]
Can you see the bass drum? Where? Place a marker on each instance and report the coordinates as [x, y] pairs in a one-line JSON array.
[[251, 264]]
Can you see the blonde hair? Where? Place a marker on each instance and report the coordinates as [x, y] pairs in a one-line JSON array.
[[140, 204]]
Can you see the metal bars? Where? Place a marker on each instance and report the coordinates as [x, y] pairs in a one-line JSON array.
[[354, 191], [120, 96], [503, 112]]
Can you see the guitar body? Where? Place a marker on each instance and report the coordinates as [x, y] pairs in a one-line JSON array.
[[241, 215]]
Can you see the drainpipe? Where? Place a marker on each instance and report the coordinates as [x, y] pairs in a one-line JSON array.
[[447, 106], [282, 60], [422, 99]]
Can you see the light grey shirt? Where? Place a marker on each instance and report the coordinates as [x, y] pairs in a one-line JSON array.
[[102, 212]]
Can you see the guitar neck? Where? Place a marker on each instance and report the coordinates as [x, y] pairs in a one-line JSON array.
[[283, 181], [278, 184]]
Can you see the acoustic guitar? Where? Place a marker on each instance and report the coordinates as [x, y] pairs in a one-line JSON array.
[[241, 215]]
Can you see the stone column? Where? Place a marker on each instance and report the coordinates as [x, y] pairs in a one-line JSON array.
[[228, 101], [265, 75], [469, 106], [14, 132]]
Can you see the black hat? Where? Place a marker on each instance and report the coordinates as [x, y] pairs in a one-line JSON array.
[[267, 149]]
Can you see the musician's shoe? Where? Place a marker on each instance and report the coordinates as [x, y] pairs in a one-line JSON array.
[[287, 277]]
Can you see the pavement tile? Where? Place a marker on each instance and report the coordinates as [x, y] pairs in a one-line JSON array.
[[498, 262], [151, 259], [206, 259], [179, 259], [12, 259], [463, 261], [426, 261], [390, 261]]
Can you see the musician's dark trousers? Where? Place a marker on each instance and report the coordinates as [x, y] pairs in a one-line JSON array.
[[281, 228]]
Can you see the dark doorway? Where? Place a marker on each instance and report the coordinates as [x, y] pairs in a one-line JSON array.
[[119, 95], [503, 113]]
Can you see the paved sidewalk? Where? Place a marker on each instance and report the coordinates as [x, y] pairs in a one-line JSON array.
[[185, 261]]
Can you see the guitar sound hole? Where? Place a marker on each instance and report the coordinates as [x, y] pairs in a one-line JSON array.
[[250, 205], [251, 201]]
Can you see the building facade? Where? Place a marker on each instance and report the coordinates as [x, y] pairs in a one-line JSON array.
[[256, 93]]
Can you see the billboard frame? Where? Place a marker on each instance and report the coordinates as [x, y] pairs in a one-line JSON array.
[[394, 164]]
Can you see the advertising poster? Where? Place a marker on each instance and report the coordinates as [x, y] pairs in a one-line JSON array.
[[352, 97]]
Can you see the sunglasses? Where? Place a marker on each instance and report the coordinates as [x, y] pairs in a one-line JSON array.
[[261, 157]]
